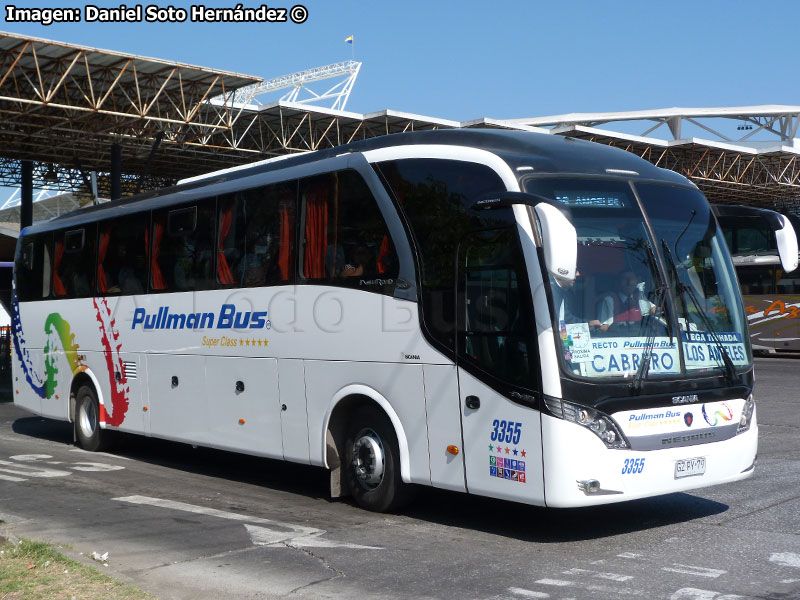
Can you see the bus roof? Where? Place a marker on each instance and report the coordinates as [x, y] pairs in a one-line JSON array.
[[546, 154]]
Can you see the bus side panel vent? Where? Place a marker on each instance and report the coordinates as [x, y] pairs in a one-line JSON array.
[[129, 368]]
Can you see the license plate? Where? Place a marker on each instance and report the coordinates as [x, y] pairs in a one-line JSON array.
[[688, 467]]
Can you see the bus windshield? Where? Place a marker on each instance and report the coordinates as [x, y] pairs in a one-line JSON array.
[[653, 296]]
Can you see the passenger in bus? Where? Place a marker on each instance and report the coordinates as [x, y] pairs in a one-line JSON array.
[[359, 263], [626, 306], [256, 262], [127, 280], [568, 301]]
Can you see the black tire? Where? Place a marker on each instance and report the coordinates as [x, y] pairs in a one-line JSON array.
[[370, 432], [87, 421]]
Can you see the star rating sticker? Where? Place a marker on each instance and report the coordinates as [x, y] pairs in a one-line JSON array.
[[515, 451], [523, 454], [507, 451], [499, 449], [247, 342], [491, 447], [266, 342]]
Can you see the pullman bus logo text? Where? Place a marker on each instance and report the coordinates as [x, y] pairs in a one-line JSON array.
[[228, 318]]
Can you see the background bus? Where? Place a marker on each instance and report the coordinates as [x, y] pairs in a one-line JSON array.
[[770, 289]]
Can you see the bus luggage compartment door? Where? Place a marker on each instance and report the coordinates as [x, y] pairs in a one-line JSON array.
[[243, 405], [176, 387]]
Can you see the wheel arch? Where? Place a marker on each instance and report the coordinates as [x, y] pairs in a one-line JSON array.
[[346, 401], [81, 376]]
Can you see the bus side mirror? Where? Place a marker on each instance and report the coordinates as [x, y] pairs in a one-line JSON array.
[[787, 245], [559, 241], [559, 238]]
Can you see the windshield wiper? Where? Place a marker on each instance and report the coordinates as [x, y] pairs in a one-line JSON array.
[[644, 366], [660, 294], [730, 369]]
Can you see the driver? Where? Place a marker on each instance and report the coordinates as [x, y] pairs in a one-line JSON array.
[[627, 305]]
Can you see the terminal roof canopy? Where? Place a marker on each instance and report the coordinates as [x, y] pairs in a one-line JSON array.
[[66, 104], [63, 107]]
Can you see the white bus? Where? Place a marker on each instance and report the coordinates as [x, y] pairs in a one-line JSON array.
[[514, 315]]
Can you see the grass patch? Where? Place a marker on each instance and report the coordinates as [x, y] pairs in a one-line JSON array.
[[37, 571]]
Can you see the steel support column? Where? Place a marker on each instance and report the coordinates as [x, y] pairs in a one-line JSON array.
[[116, 172], [26, 193]]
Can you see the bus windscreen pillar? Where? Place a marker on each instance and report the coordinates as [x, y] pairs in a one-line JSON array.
[[116, 172], [26, 204]]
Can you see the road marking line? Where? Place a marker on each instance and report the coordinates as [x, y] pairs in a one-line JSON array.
[[789, 580], [558, 582], [273, 532], [630, 555], [10, 478], [615, 591], [696, 594], [99, 454], [614, 576], [692, 570], [786, 559], [30, 471], [597, 574], [527, 593]]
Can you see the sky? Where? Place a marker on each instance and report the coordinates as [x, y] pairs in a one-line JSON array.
[[504, 59]]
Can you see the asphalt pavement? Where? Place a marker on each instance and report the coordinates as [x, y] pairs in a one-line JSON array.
[[197, 523]]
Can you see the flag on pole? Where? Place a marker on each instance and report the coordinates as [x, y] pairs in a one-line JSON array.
[[349, 39]]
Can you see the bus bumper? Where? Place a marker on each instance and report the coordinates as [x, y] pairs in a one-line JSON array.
[[579, 470]]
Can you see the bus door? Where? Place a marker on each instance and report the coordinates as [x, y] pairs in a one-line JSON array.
[[497, 360]]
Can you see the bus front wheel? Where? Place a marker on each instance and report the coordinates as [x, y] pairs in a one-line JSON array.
[[87, 420], [372, 460]]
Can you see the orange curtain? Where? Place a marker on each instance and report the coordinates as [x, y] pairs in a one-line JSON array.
[[316, 232], [102, 282], [382, 254], [223, 270], [58, 285], [155, 270], [286, 237]]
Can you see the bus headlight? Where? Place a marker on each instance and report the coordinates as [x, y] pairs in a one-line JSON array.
[[747, 415], [595, 421]]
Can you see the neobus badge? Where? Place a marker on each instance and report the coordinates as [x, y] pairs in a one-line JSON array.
[[228, 318]]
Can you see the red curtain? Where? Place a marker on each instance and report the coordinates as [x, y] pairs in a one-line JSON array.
[[286, 237], [58, 285], [102, 282], [316, 231], [223, 269], [383, 253], [156, 275]]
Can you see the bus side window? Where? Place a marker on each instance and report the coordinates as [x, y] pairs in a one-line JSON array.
[[33, 269], [757, 279], [122, 255], [255, 244], [494, 332], [183, 248], [345, 239], [74, 251], [434, 196], [788, 283]]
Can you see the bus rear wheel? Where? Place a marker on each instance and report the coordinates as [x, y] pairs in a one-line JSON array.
[[372, 462], [87, 420]]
